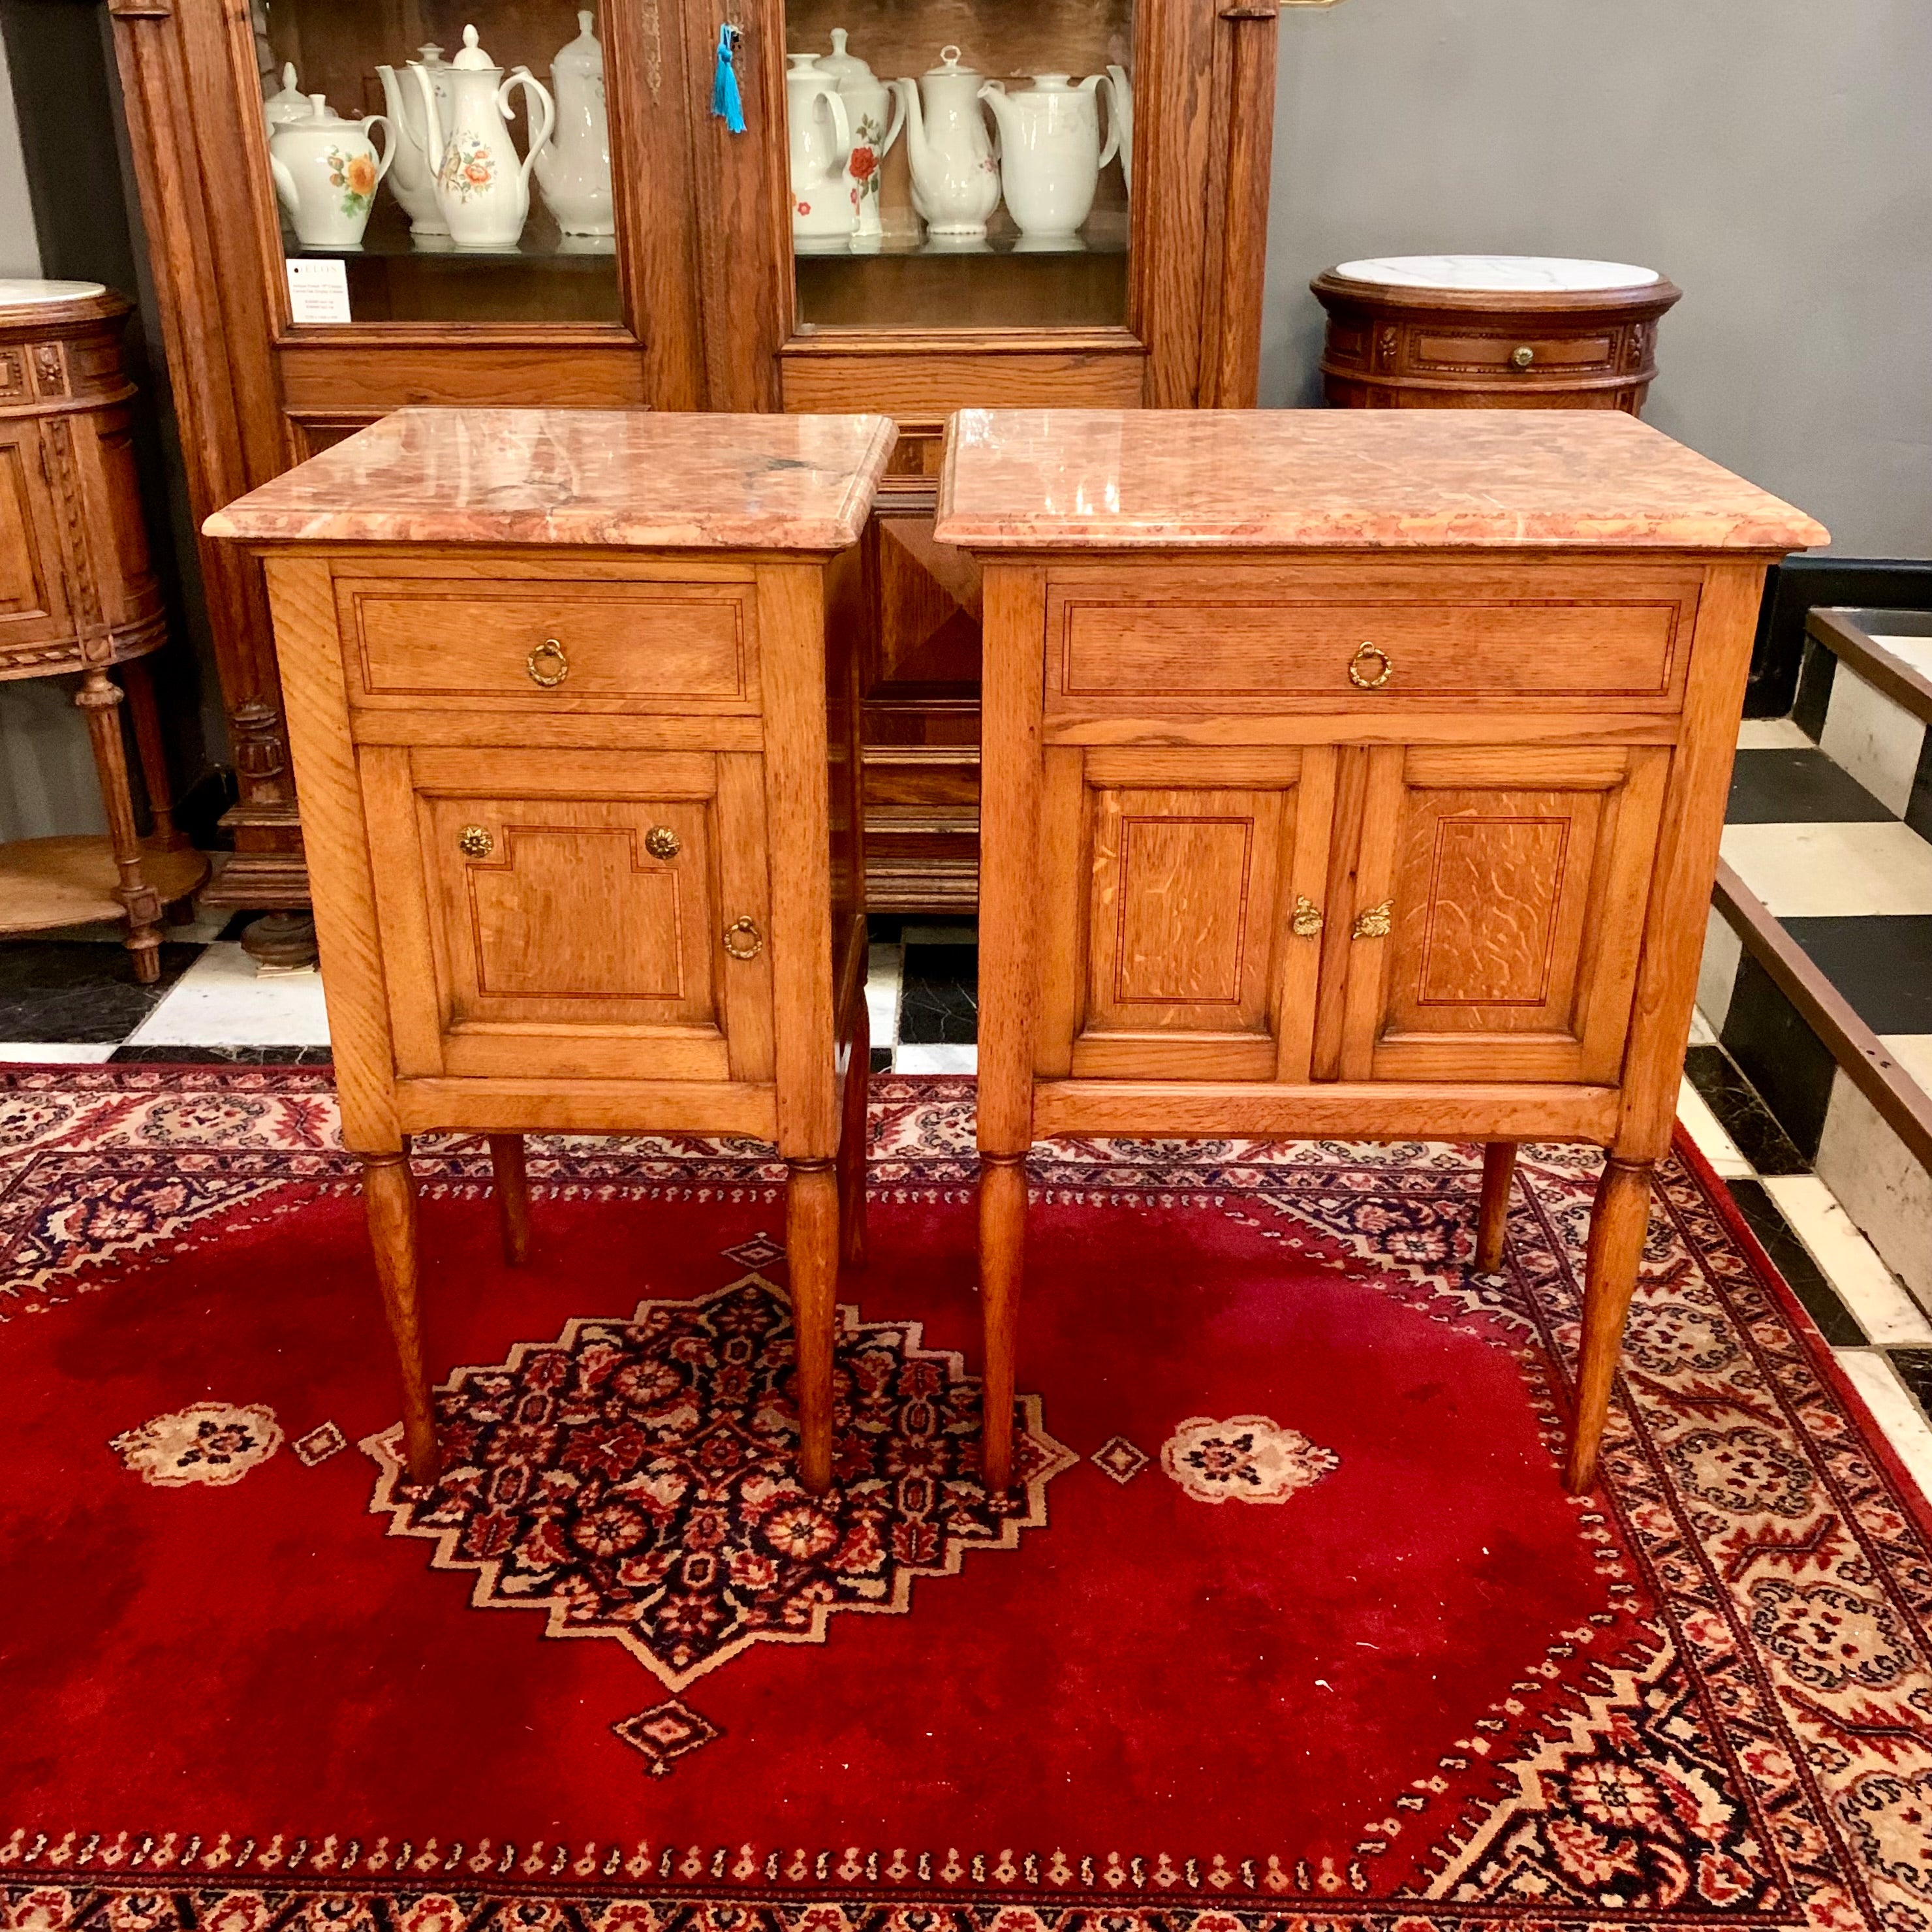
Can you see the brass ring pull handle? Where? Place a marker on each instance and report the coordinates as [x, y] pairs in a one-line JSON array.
[[474, 841], [1306, 923], [1523, 357], [547, 665], [742, 939], [1372, 921], [661, 842], [1366, 655]]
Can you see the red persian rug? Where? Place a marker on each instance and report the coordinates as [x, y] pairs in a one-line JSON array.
[[1289, 1624]]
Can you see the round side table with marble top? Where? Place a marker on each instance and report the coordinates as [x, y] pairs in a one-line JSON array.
[[1490, 331], [77, 595]]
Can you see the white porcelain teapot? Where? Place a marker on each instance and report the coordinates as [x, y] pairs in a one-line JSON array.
[[326, 170], [1050, 152], [1122, 90], [413, 179], [824, 208], [574, 171], [483, 192], [955, 174], [878, 115]]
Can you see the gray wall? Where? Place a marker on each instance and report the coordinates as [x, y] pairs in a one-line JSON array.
[[1773, 157]]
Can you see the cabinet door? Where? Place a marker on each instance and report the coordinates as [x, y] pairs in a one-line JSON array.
[[1171, 880], [31, 607], [562, 915], [1500, 900]]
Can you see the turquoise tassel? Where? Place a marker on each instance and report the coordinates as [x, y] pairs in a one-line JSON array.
[[725, 103]]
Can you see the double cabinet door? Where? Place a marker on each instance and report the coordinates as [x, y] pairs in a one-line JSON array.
[[572, 913], [1387, 912]]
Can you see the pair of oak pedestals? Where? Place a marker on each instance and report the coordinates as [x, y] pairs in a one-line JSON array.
[[1342, 774]]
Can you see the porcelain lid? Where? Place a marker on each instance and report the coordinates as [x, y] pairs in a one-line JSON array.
[[949, 67], [1498, 274], [847, 67], [320, 114], [472, 59], [290, 103], [430, 54], [583, 56], [23, 292]]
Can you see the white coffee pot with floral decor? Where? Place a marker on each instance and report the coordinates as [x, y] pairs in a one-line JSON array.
[[824, 209], [1050, 152], [481, 188], [878, 114], [955, 174], [413, 179], [326, 171], [574, 171]]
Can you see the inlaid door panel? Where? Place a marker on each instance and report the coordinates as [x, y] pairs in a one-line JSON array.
[[1500, 900], [31, 605], [1171, 877], [564, 915]]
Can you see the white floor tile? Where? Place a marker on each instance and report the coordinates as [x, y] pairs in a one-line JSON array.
[[1713, 1143], [1874, 737], [1917, 652], [220, 1001], [936, 1059], [1887, 1314], [1885, 1191], [1703, 1033], [1890, 1401], [1913, 1051], [885, 974], [43, 1052], [1772, 734], [1717, 970], [939, 935], [1832, 870]]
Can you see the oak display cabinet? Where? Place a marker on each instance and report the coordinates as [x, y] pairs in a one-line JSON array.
[[696, 303]]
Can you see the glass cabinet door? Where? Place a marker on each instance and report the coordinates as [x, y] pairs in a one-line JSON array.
[[990, 156], [435, 212]]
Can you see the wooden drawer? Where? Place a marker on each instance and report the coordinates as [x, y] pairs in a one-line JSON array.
[[546, 645], [1256, 638], [1475, 351]]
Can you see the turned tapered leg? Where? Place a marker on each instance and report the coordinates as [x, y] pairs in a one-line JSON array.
[[389, 1199], [154, 755], [513, 1194], [811, 1247], [1003, 1212], [852, 1131], [99, 698], [1617, 1226], [1498, 1171]]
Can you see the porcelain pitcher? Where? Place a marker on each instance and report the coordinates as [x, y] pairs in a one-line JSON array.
[[824, 209], [878, 114], [956, 176], [1050, 152], [326, 170], [484, 193], [574, 171], [413, 179]]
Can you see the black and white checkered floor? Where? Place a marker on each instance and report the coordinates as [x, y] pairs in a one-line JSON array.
[[1854, 877]]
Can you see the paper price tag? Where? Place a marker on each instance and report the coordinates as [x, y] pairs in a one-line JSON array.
[[319, 290]]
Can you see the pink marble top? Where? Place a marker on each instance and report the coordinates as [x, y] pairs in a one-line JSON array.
[[1343, 479], [629, 477]]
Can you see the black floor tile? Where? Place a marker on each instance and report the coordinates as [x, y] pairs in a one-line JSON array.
[[1834, 1320], [1915, 1371], [1741, 1114], [1788, 787], [1919, 806], [1815, 674], [939, 996], [80, 990], [1777, 1052], [882, 929], [882, 1060], [1882, 964], [224, 1056]]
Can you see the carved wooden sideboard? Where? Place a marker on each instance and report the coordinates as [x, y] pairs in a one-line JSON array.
[[572, 698], [1351, 775], [77, 594]]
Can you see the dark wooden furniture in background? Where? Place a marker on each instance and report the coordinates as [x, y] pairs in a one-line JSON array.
[[77, 594], [1400, 344], [581, 785], [1352, 779], [698, 306]]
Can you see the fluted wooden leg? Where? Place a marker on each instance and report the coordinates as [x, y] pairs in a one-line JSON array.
[[852, 1149], [811, 1247], [1003, 1212], [1492, 1220], [99, 698], [389, 1199], [1617, 1226], [513, 1195], [146, 717]]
